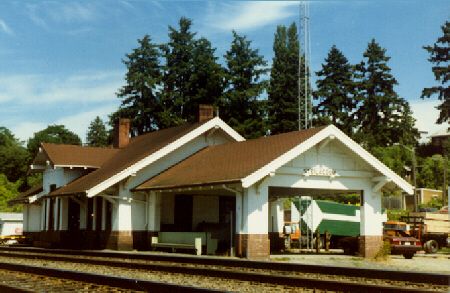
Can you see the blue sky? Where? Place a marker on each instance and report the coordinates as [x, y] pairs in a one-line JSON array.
[[60, 61]]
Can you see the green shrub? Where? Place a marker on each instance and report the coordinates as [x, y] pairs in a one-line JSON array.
[[395, 215]]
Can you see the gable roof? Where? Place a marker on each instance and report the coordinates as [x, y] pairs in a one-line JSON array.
[[250, 161], [139, 153], [62, 155], [229, 162]]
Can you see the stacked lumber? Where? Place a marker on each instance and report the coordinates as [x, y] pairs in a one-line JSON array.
[[436, 222]]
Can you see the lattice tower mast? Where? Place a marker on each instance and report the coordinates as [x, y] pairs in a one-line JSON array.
[[304, 90]]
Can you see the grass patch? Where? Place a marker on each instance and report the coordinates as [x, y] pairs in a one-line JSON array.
[[384, 252], [444, 250], [282, 259]]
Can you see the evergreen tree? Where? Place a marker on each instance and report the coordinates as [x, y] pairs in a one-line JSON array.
[[206, 82], [440, 57], [140, 96], [381, 111], [179, 54], [97, 135], [58, 134], [241, 108], [283, 89], [336, 92]]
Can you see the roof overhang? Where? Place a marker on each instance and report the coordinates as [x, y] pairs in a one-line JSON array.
[[330, 132], [214, 123]]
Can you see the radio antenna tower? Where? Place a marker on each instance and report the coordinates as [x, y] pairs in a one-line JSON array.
[[304, 90]]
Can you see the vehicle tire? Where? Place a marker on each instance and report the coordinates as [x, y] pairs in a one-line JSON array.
[[408, 255], [431, 246]]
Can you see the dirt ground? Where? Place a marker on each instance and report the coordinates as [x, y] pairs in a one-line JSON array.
[[431, 263]]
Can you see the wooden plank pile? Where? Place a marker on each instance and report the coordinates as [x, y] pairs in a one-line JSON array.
[[436, 222]]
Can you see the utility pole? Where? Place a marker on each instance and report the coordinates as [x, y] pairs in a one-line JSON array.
[[304, 90], [414, 169]]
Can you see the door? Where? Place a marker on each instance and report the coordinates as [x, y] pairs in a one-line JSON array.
[[183, 213], [74, 216]]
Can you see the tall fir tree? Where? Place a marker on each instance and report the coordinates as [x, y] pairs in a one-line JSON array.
[[381, 111], [97, 136], [283, 89], [335, 93], [241, 107], [179, 54], [440, 57], [141, 96], [207, 80]]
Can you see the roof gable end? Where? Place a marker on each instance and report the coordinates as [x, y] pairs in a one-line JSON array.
[[139, 165], [329, 131]]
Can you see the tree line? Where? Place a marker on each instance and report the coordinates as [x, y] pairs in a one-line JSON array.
[[165, 83]]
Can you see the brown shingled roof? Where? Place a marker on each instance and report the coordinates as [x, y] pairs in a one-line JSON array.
[[23, 197], [228, 162], [75, 155], [139, 148]]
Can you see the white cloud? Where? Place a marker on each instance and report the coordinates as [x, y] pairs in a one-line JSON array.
[[249, 15], [25, 130], [61, 12], [79, 122], [5, 28], [28, 103], [426, 114], [41, 89], [71, 11]]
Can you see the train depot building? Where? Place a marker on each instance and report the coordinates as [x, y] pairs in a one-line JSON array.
[[200, 180]]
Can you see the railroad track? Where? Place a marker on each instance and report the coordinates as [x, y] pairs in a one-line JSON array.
[[229, 274]]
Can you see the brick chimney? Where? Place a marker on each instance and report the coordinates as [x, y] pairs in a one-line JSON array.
[[205, 112], [122, 133]]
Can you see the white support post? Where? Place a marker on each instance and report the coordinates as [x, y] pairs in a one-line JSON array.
[[154, 211], [94, 211], [276, 216], [371, 217], [47, 219], [257, 210]]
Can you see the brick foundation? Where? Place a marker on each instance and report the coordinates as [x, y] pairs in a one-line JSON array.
[[253, 246], [370, 245], [120, 240], [82, 239]]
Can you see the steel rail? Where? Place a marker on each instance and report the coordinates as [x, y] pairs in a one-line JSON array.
[[99, 279], [270, 278], [419, 277]]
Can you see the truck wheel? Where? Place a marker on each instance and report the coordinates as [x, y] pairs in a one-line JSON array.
[[431, 246], [408, 255]]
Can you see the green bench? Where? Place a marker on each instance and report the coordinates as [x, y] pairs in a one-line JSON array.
[[186, 241]]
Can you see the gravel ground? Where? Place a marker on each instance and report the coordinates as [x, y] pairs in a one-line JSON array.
[[431, 263]]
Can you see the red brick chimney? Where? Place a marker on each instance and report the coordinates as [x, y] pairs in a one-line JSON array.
[[122, 133], [205, 112]]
